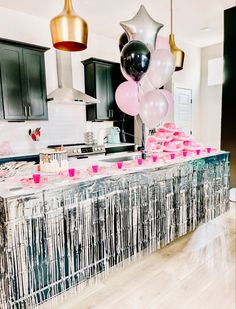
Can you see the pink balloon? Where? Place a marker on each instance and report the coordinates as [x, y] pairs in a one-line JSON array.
[[169, 98], [127, 98], [162, 43]]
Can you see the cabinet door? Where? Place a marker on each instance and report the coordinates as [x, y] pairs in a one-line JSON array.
[[1, 103], [12, 82], [101, 77], [34, 70], [110, 91], [117, 79]]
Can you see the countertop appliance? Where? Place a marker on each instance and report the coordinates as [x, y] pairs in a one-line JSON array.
[[114, 136], [81, 150]]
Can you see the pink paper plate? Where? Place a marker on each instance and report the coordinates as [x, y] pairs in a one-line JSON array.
[[65, 175], [101, 170], [170, 127], [173, 146], [29, 180]]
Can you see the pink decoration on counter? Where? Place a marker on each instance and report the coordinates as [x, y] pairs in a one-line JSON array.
[[154, 158], [163, 136], [140, 161], [173, 146], [71, 172], [119, 165], [181, 136], [36, 178], [170, 127], [198, 152], [95, 168], [185, 153], [209, 149], [172, 156], [191, 145]]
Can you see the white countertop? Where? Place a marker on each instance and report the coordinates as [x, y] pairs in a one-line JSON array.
[[13, 186]]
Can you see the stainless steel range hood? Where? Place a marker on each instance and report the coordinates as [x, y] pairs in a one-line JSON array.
[[65, 93]]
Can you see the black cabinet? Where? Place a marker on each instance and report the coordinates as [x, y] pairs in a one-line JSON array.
[[22, 81], [228, 123], [101, 81]]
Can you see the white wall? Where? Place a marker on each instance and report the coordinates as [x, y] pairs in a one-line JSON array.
[[211, 99], [67, 122], [189, 77]]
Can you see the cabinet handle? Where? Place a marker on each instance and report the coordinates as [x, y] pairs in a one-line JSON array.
[[110, 113], [25, 111], [30, 114]]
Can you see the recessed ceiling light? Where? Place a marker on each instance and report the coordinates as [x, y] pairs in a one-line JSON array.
[[205, 29]]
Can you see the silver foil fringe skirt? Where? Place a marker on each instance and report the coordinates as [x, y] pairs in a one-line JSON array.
[[53, 240]]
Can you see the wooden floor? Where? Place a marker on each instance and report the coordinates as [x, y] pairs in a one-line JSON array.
[[195, 272]]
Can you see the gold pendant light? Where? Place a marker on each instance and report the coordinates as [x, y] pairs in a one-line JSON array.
[[177, 52], [69, 31]]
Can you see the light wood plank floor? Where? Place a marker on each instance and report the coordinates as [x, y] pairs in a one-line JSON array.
[[197, 271]]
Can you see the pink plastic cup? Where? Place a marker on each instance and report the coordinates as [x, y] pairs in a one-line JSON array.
[[209, 149], [140, 161], [95, 168], [172, 156], [154, 158], [119, 165], [36, 178], [198, 152], [185, 153], [71, 172]]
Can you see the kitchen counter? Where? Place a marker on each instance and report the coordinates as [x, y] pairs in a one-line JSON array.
[[13, 187], [55, 236]]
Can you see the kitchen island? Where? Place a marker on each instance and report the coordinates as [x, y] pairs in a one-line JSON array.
[[58, 235]]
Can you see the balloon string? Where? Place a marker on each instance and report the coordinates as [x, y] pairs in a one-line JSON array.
[[142, 124]]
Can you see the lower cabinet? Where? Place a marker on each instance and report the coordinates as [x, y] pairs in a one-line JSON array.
[[22, 82]]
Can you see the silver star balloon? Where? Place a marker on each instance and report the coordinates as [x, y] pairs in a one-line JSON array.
[[142, 28]]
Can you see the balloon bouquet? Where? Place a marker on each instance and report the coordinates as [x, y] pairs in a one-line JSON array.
[[146, 69]]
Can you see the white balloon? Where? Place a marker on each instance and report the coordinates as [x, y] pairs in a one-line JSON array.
[[153, 108], [146, 85], [161, 68]]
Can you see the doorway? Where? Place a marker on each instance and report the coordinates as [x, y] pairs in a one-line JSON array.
[[183, 108]]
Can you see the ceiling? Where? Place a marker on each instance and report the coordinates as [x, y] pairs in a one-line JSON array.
[[103, 16]]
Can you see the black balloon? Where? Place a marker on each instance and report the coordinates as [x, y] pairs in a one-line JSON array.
[[135, 59], [123, 40]]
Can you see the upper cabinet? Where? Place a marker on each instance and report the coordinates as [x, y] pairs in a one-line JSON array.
[[22, 81], [101, 81]]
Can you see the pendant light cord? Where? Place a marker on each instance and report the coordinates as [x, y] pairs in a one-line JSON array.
[[171, 16]]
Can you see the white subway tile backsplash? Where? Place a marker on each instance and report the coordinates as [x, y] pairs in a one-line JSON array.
[[66, 124]]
